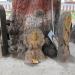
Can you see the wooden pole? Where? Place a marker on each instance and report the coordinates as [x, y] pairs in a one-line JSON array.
[[64, 35], [4, 42]]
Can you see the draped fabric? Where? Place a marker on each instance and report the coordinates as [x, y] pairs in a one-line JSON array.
[[29, 6], [40, 10]]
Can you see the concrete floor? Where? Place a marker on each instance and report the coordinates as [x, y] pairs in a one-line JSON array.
[[12, 66]]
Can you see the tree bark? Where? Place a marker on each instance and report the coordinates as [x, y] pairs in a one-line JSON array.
[[28, 14]]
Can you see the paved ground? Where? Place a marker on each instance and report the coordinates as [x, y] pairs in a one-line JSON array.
[[11, 66]]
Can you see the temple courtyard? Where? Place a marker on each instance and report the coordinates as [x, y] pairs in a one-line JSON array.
[[13, 66]]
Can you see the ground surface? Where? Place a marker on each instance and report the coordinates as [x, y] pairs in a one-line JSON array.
[[12, 66]]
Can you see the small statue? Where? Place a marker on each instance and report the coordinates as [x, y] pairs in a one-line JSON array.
[[34, 41]]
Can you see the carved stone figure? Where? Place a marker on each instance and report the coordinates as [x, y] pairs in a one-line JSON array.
[[34, 41]]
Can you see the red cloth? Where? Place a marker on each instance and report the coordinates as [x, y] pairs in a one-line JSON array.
[[29, 6]]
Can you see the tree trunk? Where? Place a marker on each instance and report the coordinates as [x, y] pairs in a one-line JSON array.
[[28, 14]]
